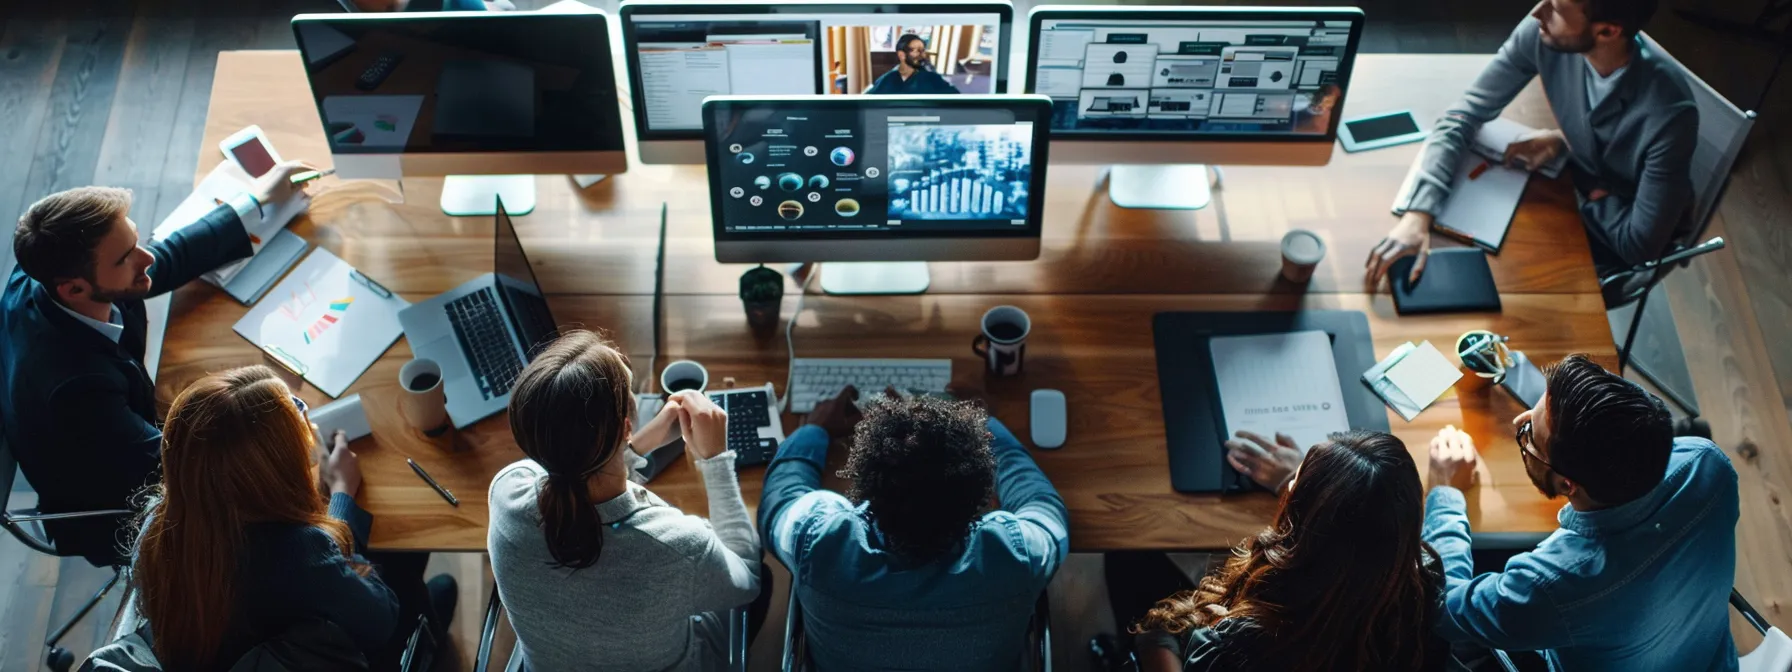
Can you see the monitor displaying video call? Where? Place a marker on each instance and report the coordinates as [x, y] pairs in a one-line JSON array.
[[838, 167], [1111, 73], [678, 59]]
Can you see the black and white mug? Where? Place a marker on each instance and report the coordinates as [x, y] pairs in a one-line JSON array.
[[1003, 343]]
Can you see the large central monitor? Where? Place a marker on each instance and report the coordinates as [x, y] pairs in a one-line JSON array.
[[876, 179], [510, 94], [1142, 87], [679, 53]]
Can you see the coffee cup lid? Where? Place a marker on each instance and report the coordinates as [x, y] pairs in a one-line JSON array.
[[1303, 247]]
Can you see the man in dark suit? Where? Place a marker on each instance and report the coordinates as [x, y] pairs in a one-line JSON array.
[[76, 404]]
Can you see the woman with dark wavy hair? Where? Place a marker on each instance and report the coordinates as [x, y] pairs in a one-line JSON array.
[[1340, 581]]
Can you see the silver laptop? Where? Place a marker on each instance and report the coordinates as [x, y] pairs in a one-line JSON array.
[[483, 332]]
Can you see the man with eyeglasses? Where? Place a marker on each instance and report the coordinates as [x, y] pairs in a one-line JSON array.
[[1638, 576]]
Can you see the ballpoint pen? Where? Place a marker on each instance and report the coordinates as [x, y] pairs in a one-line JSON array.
[[432, 482]]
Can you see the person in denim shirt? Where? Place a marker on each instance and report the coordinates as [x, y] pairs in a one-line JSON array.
[[910, 569], [1638, 576]]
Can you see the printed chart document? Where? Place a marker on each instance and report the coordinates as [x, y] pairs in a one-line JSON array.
[[326, 321], [1284, 383]]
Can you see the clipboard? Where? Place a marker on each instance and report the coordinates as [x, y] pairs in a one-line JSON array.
[[325, 322]]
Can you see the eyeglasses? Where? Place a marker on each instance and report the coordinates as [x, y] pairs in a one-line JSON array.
[[303, 409], [1527, 447]]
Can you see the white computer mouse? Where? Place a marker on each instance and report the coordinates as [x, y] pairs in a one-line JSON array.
[[1049, 418]]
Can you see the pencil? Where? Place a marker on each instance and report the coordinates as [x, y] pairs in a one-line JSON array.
[[1476, 173], [432, 482]]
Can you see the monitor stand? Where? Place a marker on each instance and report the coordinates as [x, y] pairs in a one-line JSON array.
[[476, 195], [1173, 187], [882, 277]]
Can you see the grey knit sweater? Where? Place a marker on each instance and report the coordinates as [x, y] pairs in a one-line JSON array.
[[648, 603]]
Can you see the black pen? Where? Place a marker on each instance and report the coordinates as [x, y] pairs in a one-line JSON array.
[[432, 482]]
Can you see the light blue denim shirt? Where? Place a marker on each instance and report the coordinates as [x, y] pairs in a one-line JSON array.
[[864, 608], [1641, 586]]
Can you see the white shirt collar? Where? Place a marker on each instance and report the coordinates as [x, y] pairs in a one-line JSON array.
[[112, 329]]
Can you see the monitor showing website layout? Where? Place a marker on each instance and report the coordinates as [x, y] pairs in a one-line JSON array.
[[870, 178], [1208, 75], [679, 54]]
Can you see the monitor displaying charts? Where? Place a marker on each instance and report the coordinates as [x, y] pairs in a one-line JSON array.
[[1193, 72], [678, 54], [871, 169]]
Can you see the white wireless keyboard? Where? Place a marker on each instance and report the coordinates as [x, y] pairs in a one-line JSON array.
[[813, 380]]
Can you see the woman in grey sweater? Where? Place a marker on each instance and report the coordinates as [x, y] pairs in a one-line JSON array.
[[597, 572]]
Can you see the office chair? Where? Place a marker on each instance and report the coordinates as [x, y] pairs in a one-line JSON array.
[[1773, 655], [1039, 634], [1723, 128], [130, 650], [26, 525], [494, 609]]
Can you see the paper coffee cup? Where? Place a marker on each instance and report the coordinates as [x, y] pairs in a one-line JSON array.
[[1302, 251], [425, 403]]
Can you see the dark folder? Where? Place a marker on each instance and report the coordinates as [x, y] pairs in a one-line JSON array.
[[1456, 280]]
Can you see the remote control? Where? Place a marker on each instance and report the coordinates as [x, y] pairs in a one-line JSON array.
[[377, 73]]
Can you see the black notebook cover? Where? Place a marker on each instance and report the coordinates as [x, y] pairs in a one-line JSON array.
[[1455, 280]]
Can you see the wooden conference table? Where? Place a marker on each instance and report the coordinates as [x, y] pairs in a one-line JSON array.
[[1102, 275]]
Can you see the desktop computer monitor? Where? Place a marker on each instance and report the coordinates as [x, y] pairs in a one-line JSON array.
[[466, 93], [876, 179], [679, 53], [1149, 86]]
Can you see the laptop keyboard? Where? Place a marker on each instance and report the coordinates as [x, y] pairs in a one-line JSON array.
[[484, 340]]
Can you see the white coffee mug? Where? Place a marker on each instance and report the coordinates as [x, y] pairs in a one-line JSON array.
[[425, 403], [1003, 343], [682, 372]]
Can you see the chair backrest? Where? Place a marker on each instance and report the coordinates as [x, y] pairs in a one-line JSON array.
[[1722, 129], [1773, 655]]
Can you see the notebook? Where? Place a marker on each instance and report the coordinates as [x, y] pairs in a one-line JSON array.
[[1484, 193], [1412, 377], [1456, 280]]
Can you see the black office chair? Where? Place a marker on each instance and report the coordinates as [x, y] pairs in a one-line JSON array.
[[26, 525], [1774, 654], [1039, 635], [494, 610]]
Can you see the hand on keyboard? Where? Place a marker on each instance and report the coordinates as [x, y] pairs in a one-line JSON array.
[[838, 415]]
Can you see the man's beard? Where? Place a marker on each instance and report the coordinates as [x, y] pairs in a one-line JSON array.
[[114, 296], [1581, 44], [1544, 485]]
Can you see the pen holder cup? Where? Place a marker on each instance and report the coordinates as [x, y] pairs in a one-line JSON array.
[[1485, 353]]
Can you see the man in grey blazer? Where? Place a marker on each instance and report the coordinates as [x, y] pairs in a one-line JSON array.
[[1627, 121]]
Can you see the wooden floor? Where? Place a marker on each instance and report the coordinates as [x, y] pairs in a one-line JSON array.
[[114, 92]]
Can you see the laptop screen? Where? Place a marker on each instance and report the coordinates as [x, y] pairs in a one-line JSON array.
[[520, 292]]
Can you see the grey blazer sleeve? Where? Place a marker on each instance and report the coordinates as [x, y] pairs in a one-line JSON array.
[[1639, 227], [1512, 68]]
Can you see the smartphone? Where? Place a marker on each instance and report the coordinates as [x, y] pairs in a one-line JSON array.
[[1380, 130], [250, 150], [1524, 381]]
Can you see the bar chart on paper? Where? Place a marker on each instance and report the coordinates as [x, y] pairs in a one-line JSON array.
[[324, 322]]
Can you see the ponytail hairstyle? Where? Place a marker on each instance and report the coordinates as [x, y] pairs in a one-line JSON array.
[[569, 412]]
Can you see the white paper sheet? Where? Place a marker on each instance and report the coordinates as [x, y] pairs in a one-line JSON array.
[[1424, 374], [1481, 206], [225, 182], [1284, 383], [325, 324]]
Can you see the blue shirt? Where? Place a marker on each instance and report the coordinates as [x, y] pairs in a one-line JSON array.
[[1639, 586], [864, 607]]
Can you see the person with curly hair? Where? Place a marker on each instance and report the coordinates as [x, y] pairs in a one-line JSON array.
[[1340, 581], [913, 567]]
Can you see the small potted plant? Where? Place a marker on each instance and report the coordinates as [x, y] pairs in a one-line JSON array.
[[762, 293]]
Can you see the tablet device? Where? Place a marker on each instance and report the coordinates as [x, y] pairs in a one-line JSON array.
[[1380, 130], [1456, 280]]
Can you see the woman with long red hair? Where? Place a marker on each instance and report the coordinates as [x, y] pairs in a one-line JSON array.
[[238, 544]]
